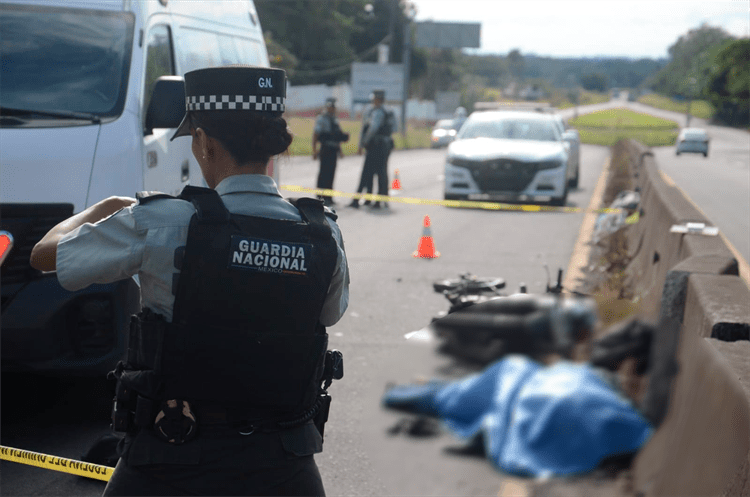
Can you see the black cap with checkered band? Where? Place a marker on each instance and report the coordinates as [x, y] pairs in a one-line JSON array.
[[235, 88]]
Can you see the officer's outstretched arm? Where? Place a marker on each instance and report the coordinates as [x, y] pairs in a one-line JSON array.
[[44, 253]]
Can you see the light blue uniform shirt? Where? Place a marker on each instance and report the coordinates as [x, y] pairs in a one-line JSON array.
[[141, 240], [373, 120], [324, 124]]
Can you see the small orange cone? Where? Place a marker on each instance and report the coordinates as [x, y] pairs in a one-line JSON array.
[[396, 184], [426, 248]]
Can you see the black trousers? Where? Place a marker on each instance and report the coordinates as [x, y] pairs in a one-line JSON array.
[[328, 158], [256, 465], [376, 163]]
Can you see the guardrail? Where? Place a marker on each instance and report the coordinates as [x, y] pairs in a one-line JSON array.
[[702, 445]]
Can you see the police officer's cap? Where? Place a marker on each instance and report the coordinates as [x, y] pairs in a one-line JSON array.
[[330, 102], [233, 89], [377, 94]]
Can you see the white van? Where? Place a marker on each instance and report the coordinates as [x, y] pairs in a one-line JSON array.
[[91, 92]]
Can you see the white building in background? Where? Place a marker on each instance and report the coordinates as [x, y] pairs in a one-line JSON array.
[[311, 98]]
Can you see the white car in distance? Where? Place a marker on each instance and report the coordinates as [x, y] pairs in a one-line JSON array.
[[692, 140], [443, 133]]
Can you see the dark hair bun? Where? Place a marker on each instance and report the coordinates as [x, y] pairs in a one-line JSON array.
[[272, 139], [247, 136]]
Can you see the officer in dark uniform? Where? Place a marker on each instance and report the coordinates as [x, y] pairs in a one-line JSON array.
[[223, 391], [328, 132], [376, 139]]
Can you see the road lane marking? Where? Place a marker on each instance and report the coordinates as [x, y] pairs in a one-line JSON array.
[[744, 268], [55, 463], [582, 248]]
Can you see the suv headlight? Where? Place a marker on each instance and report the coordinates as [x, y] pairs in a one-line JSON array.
[[549, 164], [455, 161]]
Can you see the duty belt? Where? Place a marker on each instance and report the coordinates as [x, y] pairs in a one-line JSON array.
[[177, 420], [211, 415]]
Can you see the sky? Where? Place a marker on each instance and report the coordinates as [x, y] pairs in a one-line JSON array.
[[587, 28]]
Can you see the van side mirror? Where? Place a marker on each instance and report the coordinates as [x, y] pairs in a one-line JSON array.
[[167, 106], [570, 135]]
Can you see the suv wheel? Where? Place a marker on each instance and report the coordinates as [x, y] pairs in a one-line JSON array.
[[573, 182], [560, 201]]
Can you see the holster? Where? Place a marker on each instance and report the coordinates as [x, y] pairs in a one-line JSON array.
[[131, 409], [321, 417], [333, 370], [134, 404]]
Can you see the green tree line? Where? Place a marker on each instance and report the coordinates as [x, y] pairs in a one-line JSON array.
[[728, 85], [316, 42], [709, 63]]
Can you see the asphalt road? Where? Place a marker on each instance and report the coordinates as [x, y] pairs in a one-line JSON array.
[[391, 295], [719, 185]]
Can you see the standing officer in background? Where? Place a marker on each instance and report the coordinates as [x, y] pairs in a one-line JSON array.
[[328, 132], [221, 390], [377, 127]]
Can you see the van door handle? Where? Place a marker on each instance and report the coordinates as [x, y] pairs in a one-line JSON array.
[[185, 171]]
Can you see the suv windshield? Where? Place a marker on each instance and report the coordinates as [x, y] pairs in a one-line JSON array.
[[445, 124], [695, 135], [63, 63], [513, 129]]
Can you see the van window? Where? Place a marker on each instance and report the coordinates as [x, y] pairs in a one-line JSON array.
[[209, 49], [159, 60], [227, 50], [199, 49], [250, 52], [64, 60]]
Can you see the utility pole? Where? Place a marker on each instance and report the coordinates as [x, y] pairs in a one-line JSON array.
[[406, 64], [391, 28]]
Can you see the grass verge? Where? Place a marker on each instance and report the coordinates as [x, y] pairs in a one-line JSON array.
[[608, 137], [560, 99], [417, 136], [698, 108], [607, 127], [622, 118]]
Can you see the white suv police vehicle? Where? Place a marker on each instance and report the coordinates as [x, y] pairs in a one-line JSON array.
[[91, 93]]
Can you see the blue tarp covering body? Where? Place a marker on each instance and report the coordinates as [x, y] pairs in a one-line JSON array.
[[535, 420]]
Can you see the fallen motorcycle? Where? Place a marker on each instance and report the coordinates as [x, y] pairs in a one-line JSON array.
[[483, 325]]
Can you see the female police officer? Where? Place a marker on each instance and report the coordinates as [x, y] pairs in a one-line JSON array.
[[221, 390]]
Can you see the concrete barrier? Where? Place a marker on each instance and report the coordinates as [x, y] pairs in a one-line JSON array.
[[655, 250], [701, 385]]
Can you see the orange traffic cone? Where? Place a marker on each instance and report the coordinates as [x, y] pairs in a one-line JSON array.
[[396, 184], [426, 248]]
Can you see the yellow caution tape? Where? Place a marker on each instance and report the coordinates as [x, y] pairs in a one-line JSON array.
[[55, 463], [473, 204], [633, 218]]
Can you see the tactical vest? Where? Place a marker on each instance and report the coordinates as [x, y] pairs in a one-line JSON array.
[[386, 128], [335, 136], [245, 332]]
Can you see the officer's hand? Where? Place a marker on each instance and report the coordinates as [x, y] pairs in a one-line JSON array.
[[359, 150], [341, 154], [315, 155], [44, 253]]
